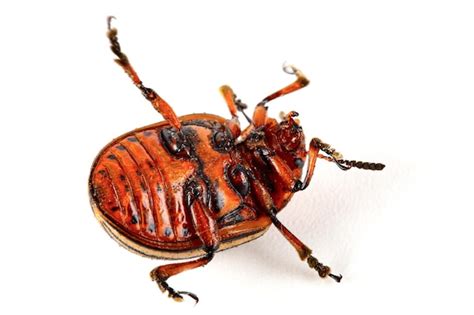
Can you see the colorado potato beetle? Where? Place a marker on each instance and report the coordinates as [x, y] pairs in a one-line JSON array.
[[190, 186]]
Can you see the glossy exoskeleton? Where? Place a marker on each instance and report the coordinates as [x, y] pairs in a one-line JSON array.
[[190, 186]]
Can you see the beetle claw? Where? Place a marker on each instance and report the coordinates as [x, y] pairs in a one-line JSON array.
[[290, 69], [336, 278], [175, 295], [109, 21], [190, 294]]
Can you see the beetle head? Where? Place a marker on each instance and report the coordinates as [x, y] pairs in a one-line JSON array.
[[286, 138], [290, 133]]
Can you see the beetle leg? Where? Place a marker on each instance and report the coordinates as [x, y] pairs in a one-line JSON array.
[[158, 103], [280, 168], [260, 113], [265, 199], [303, 251], [300, 82], [230, 98], [312, 157], [207, 231], [162, 273]]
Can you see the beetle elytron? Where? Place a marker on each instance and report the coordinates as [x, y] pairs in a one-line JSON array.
[[190, 186]]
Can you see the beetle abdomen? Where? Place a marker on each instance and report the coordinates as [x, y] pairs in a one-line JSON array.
[[139, 186]]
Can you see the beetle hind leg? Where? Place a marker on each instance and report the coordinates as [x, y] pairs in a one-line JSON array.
[[161, 274], [206, 230], [122, 60], [175, 295]]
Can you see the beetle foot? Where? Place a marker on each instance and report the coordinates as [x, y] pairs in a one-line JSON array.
[[322, 270], [336, 278], [176, 295], [172, 293]]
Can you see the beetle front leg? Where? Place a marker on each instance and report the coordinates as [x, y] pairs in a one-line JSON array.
[[280, 168], [233, 103], [259, 115], [303, 251], [312, 157]]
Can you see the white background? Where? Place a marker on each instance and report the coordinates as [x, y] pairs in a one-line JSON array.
[[391, 81]]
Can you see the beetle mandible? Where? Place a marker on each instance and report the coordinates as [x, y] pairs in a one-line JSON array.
[[193, 185]]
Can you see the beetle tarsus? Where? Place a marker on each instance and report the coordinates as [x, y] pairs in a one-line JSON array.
[[342, 166], [175, 295], [109, 21], [190, 294], [336, 278], [346, 164], [322, 269], [290, 69]]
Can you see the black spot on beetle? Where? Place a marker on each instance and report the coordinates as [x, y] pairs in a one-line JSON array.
[[218, 198], [159, 188], [151, 227], [115, 209], [147, 133], [185, 232], [132, 139], [111, 157], [134, 219], [120, 147], [102, 172], [299, 163], [238, 218], [168, 231], [122, 177]]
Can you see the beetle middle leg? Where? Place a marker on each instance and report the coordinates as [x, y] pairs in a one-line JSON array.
[[207, 231], [233, 102], [260, 113], [304, 252], [158, 103]]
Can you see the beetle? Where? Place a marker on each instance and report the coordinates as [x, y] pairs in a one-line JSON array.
[[191, 186]]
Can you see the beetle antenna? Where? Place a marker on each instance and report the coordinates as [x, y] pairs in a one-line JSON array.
[[345, 165], [359, 164]]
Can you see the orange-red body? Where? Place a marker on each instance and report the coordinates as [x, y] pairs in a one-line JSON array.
[[138, 186], [193, 185]]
